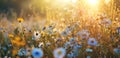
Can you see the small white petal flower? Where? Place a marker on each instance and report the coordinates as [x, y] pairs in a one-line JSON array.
[[5, 57], [37, 35], [83, 34], [48, 44], [41, 44]]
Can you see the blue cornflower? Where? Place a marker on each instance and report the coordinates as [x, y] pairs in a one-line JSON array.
[[66, 45], [75, 49], [88, 57], [4, 48], [22, 52], [59, 53], [92, 42], [70, 55], [77, 46], [9, 45], [72, 39], [37, 53], [116, 50], [89, 50], [64, 33]]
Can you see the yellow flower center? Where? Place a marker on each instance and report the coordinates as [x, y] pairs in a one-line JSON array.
[[59, 52], [20, 20]]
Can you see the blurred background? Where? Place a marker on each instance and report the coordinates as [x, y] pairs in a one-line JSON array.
[[25, 8]]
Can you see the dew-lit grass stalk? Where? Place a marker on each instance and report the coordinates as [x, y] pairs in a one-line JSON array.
[[20, 26], [21, 30]]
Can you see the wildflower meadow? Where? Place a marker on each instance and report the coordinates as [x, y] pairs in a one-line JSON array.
[[61, 29]]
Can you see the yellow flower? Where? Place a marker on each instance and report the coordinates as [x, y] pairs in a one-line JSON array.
[[10, 35], [18, 43], [14, 52], [17, 38], [13, 42], [22, 43], [20, 20]]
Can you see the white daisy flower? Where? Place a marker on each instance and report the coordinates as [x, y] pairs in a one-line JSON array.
[[83, 34], [37, 35], [59, 53]]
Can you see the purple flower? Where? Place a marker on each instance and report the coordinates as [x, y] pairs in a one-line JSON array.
[[92, 42], [83, 34]]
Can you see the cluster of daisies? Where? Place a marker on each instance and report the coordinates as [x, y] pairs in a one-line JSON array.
[[99, 37]]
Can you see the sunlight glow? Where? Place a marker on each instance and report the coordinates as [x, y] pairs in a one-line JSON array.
[[92, 2], [74, 1], [107, 1], [66, 1]]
